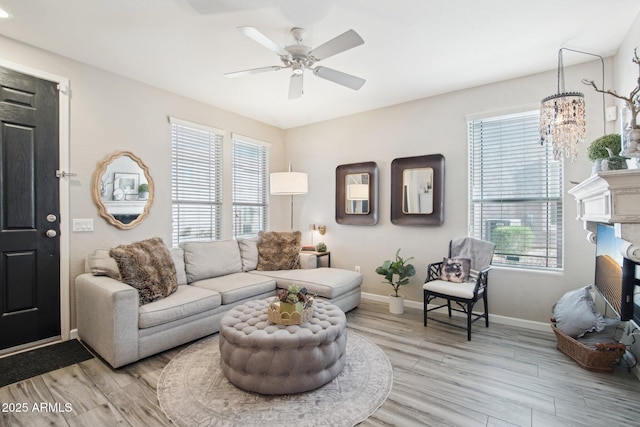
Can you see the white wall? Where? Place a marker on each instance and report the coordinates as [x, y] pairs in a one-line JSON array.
[[110, 112], [429, 126]]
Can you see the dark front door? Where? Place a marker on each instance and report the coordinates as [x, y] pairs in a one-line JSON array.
[[29, 210]]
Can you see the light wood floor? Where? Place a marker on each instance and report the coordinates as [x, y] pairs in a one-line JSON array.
[[506, 376]]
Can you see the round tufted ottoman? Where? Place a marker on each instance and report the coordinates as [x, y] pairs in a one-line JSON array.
[[266, 358]]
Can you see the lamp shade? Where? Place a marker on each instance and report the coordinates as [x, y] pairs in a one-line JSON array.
[[289, 183]]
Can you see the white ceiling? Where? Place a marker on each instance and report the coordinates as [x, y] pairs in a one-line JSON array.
[[413, 48]]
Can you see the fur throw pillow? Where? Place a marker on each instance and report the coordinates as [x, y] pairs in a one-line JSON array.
[[278, 250], [148, 267], [455, 269]]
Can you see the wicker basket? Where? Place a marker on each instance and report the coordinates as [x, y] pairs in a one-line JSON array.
[[599, 360]]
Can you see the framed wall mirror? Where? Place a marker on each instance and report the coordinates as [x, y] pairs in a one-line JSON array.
[[123, 189], [357, 194], [417, 190]]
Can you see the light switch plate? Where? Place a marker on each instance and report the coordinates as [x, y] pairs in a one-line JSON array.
[[82, 224]]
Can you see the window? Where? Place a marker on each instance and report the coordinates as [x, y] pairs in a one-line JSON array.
[[196, 181], [250, 175], [515, 191]]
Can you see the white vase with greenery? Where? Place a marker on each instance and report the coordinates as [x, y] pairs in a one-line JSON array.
[[396, 273]]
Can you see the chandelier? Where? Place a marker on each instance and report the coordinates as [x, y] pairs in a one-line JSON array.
[[562, 119]]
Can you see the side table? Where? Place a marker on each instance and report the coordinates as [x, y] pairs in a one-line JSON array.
[[320, 255]]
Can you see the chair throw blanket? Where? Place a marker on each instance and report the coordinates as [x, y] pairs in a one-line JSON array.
[[480, 252]]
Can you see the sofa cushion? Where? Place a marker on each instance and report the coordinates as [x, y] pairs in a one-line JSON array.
[[249, 253], [186, 301], [237, 286], [204, 260], [100, 263], [177, 255], [278, 250], [148, 267], [324, 282]]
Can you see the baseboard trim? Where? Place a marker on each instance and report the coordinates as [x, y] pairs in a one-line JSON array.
[[502, 320]]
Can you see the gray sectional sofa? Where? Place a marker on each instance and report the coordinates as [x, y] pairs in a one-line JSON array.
[[212, 278]]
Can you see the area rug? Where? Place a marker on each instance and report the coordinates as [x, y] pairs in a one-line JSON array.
[[31, 363], [193, 391]]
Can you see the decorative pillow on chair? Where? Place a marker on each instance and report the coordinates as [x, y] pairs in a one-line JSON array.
[[147, 266], [278, 250], [455, 269]]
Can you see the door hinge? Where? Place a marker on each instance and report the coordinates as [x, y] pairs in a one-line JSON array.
[[62, 174]]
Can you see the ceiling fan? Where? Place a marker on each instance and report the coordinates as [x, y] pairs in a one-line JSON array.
[[299, 58]]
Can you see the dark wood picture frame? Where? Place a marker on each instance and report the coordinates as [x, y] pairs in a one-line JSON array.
[[398, 214], [342, 217]]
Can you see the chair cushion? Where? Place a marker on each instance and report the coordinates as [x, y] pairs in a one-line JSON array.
[[237, 286], [455, 269], [186, 301], [459, 290]]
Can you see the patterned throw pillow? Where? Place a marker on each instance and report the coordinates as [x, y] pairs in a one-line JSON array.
[[278, 250], [147, 266], [455, 269]]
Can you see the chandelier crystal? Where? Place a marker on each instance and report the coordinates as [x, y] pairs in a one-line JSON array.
[[562, 119]]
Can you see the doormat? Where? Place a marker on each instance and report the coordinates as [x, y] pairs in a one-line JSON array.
[[31, 363]]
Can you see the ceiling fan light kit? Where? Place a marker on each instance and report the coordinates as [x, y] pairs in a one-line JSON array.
[[299, 58]]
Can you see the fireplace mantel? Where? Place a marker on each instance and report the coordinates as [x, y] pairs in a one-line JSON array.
[[612, 197]]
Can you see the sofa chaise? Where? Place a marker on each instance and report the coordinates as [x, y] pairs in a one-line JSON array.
[[212, 277]]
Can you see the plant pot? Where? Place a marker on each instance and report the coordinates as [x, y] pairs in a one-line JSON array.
[[287, 307], [396, 304], [144, 195]]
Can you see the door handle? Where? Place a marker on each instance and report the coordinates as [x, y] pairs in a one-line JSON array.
[[51, 234]]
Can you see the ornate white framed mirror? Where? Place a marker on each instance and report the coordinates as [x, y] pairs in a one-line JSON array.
[[123, 189]]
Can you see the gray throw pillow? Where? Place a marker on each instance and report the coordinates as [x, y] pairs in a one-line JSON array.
[[576, 313]]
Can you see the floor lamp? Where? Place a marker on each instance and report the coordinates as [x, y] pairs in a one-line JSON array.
[[289, 184]]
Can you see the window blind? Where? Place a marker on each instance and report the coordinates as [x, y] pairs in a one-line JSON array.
[[250, 176], [196, 181], [515, 191]]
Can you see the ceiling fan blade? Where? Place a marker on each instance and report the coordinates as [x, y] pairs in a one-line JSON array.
[[252, 71], [339, 77], [344, 41], [265, 41], [295, 86]]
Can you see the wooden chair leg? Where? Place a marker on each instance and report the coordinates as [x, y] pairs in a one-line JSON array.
[[449, 306], [425, 308], [469, 309], [486, 309]]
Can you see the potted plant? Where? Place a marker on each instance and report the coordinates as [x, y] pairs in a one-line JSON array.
[[599, 150], [630, 129], [143, 191], [396, 273], [292, 299]]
